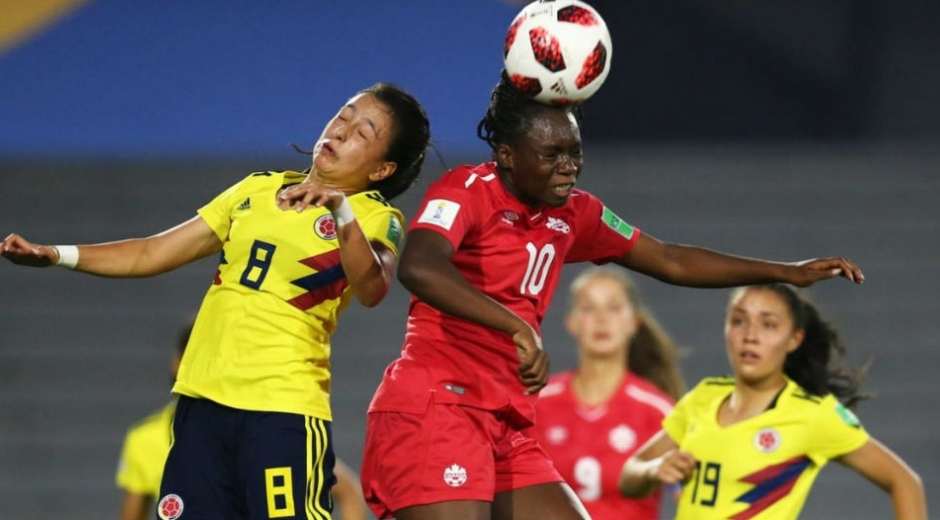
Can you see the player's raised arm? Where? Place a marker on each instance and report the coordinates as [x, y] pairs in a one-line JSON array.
[[131, 258], [700, 267]]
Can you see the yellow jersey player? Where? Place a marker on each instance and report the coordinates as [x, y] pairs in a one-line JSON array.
[[145, 448], [750, 446], [252, 426]]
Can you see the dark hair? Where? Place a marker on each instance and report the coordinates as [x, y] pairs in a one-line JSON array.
[[810, 365], [510, 113], [651, 354], [411, 135]]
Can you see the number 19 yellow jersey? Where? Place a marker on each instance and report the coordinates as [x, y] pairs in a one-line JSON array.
[[762, 467]]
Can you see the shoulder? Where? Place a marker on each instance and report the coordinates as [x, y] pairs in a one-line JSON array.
[[556, 386], [643, 391], [585, 208], [267, 180], [371, 201], [271, 177], [710, 388], [153, 424], [814, 407], [467, 177]]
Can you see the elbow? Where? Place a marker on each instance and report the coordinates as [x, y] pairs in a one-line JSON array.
[[371, 301], [373, 294], [627, 483], [911, 481]]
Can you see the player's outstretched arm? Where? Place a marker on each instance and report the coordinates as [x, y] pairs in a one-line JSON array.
[[427, 271], [657, 462], [136, 257], [699, 267], [886, 470]]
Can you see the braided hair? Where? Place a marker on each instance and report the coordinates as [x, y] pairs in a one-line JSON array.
[[510, 113]]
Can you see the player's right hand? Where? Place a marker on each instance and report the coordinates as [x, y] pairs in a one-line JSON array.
[[675, 468], [533, 361], [20, 251]]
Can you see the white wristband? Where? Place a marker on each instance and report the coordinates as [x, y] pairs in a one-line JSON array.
[[68, 256], [343, 214]]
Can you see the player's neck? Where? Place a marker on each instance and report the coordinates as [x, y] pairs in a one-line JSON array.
[[595, 381], [749, 400]]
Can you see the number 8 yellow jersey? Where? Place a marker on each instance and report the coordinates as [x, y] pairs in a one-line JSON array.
[[261, 340], [762, 467]]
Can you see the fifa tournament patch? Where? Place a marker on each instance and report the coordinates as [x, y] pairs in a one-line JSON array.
[[846, 415], [170, 507], [617, 224], [440, 212], [394, 231], [325, 227]]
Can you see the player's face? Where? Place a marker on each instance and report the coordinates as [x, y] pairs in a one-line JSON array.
[[602, 319], [759, 333], [543, 166], [351, 150]]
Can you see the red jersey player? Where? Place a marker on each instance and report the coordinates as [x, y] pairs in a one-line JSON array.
[[482, 260], [592, 418]]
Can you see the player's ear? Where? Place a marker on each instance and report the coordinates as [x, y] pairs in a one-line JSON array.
[[383, 171], [504, 156]]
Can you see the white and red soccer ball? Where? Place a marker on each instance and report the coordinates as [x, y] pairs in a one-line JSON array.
[[557, 51]]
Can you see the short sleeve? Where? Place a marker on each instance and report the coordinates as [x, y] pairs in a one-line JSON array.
[[217, 213], [677, 420], [131, 475], [385, 227], [837, 431], [448, 211], [602, 236]]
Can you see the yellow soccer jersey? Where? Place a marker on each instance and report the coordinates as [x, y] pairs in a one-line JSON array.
[[261, 340], [762, 467], [145, 449]]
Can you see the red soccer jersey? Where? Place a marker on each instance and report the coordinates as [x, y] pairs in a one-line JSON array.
[[511, 252], [590, 445]]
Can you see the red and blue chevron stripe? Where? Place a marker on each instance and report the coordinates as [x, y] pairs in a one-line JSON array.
[[326, 284], [770, 485]]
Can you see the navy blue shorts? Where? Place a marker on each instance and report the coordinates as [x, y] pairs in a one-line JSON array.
[[230, 463]]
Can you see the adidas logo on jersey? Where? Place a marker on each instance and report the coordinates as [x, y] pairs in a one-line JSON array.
[[244, 205]]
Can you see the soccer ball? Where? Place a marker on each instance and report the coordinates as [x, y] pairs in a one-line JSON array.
[[557, 51]]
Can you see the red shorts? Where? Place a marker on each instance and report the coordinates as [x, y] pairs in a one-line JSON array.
[[450, 452]]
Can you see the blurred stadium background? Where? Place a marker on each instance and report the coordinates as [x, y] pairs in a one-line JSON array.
[[781, 129]]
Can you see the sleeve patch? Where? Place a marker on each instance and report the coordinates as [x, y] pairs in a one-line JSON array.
[[440, 212], [617, 224], [846, 415], [394, 231]]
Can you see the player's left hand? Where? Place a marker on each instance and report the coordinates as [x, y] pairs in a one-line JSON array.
[[533, 361], [300, 196], [808, 272]]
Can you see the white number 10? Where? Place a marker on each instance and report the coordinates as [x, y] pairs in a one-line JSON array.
[[537, 270]]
